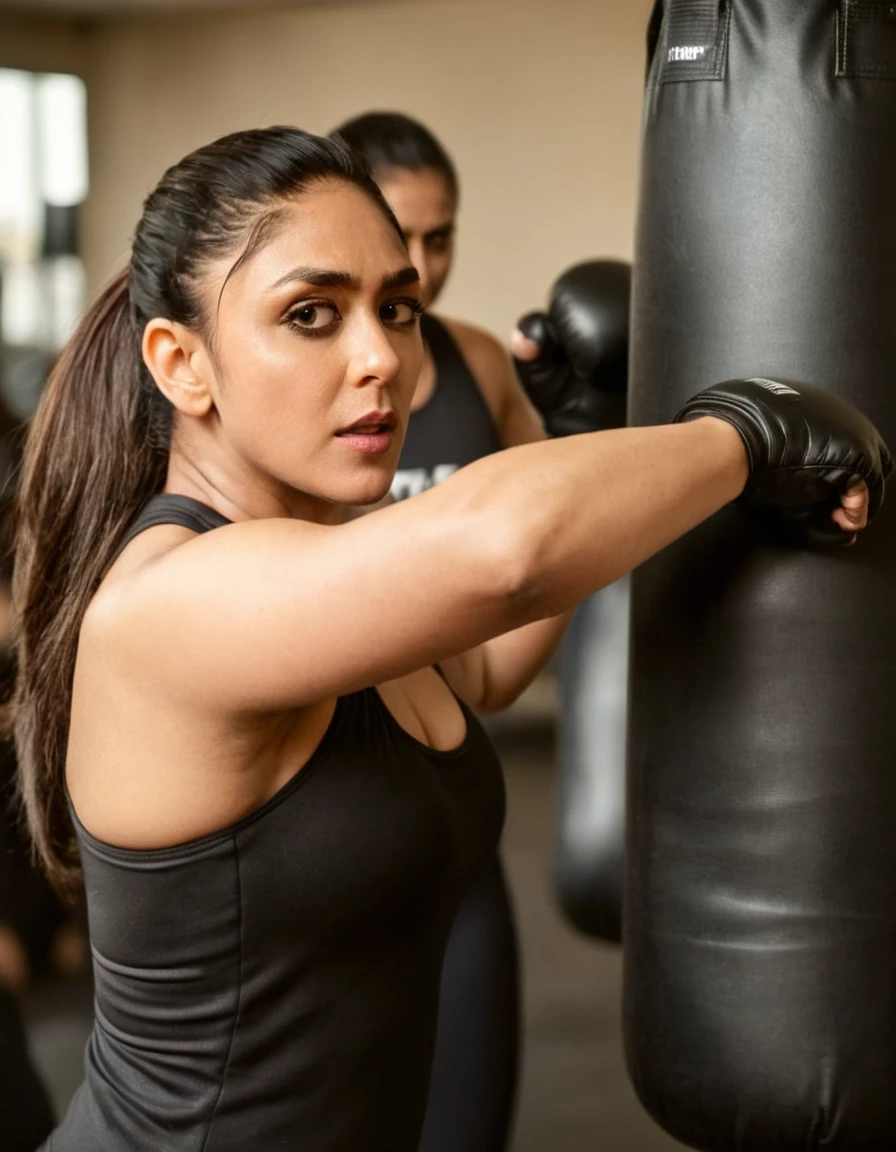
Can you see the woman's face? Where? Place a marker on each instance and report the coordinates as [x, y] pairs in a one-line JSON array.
[[425, 207], [316, 350]]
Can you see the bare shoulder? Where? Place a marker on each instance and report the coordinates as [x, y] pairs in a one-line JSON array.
[[127, 576], [170, 570], [482, 351]]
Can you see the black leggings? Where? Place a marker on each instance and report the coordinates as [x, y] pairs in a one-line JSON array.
[[473, 1088]]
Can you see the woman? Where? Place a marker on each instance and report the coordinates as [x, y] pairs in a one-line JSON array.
[[467, 404], [227, 701]]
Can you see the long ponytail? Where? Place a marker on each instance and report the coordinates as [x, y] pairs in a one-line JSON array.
[[96, 450]]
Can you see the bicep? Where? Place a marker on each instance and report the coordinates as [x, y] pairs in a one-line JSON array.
[[275, 614]]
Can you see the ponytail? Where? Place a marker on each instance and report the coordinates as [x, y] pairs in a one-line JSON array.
[[96, 451]]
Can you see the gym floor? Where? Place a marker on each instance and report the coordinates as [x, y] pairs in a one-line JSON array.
[[574, 1095]]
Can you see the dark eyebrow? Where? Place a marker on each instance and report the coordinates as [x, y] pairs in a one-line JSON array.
[[327, 278], [442, 230], [318, 278], [407, 275]]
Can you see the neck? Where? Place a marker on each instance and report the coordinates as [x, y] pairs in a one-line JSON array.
[[238, 491]]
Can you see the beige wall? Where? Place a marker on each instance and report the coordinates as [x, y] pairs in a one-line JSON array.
[[538, 101], [42, 45]]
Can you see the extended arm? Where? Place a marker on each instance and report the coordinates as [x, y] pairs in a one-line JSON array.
[[275, 614]]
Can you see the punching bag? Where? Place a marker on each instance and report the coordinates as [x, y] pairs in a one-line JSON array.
[[589, 312], [592, 732], [760, 913], [578, 383]]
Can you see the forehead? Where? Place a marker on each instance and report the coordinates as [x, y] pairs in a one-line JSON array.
[[421, 198], [332, 226]]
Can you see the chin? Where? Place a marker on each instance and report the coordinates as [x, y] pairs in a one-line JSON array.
[[361, 487], [354, 509], [368, 494], [369, 501]]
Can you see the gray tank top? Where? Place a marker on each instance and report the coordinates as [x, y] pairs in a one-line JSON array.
[[275, 985]]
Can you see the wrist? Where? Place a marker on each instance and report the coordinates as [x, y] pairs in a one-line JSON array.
[[732, 451]]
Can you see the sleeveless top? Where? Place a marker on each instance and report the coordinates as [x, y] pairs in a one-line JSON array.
[[454, 427], [274, 985]]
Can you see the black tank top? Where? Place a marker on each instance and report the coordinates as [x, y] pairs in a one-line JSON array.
[[275, 985], [454, 427]]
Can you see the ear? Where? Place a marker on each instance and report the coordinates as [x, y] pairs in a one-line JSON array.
[[179, 363]]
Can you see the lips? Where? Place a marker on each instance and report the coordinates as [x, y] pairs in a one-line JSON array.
[[371, 424], [372, 435]]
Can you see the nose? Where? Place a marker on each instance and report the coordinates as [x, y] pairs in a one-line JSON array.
[[374, 360]]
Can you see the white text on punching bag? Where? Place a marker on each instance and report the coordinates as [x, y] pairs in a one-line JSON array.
[[697, 52], [775, 386]]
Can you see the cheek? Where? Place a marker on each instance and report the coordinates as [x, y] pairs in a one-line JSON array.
[[439, 267], [411, 367], [276, 389], [282, 367]]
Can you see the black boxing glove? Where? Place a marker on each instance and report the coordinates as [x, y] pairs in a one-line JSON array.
[[805, 448], [578, 380]]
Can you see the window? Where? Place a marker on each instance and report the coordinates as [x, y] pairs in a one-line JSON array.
[[43, 181]]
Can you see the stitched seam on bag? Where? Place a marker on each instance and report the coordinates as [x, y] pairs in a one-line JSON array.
[[846, 17]]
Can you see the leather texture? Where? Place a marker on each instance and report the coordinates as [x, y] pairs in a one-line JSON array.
[[588, 856], [578, 383], [760, 923]]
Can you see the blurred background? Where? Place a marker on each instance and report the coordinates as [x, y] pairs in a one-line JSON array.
[[538, 102]]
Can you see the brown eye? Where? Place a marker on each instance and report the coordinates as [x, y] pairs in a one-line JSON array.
[[313, 316], [403, 313]]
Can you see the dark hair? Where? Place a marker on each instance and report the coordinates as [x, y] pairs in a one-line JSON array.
[[99, 443], [12, 436], [393, 140]]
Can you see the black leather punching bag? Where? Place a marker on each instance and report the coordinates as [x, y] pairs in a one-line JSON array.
[[593, 660], [588, 868], [760, 915], [590, 315], [578, 383]]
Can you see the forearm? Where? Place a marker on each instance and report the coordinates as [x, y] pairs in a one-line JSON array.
[[584, 510], [520, 423]]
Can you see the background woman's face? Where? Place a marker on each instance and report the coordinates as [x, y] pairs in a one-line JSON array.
[[317, 348], [425, 207]]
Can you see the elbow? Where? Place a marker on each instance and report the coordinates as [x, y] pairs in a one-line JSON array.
[[504, 542], [517, 571]]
